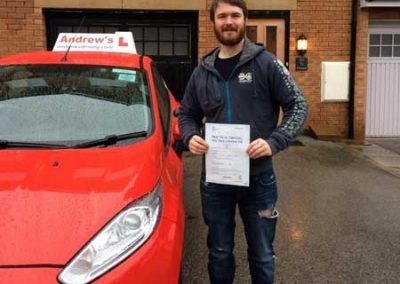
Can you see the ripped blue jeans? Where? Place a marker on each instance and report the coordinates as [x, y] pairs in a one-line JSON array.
[[219, 206]]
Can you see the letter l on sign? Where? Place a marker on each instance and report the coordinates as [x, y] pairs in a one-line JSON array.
[[121, 42]]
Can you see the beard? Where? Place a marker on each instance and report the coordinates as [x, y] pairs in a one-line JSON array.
[[230, 40]]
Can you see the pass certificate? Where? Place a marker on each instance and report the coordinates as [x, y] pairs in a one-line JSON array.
[[226, 160]]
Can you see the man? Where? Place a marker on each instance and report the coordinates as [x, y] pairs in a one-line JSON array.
[[241, 83]]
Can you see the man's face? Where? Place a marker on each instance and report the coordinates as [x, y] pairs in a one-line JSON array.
[[229, 24]]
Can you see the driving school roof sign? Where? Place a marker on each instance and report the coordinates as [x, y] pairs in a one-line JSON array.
[[118, 42]]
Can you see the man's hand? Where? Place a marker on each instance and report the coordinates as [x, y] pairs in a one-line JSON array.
[[197, 145], [259, 148]]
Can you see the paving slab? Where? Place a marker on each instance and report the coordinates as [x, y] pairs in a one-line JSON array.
[[384, 154], [392, 144]]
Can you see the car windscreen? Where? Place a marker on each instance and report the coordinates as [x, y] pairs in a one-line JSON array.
[[70, 104]]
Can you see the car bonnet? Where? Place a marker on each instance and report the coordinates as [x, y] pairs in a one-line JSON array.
[[54, 201]]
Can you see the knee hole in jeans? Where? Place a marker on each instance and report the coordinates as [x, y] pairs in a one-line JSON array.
[[270, 213]]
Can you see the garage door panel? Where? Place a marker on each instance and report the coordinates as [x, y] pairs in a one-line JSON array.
[[383, 103], [383, 89]]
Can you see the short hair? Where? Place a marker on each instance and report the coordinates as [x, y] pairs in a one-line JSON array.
[[238, 3]]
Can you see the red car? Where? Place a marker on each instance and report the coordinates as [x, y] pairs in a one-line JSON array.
[[90, 170]]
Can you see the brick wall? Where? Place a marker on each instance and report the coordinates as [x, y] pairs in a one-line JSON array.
[[21, 27], [207, 40], [327, 27]]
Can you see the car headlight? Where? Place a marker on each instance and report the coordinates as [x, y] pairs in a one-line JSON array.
[[124, 234]]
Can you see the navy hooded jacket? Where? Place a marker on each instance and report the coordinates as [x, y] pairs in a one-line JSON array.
[[256, 89]]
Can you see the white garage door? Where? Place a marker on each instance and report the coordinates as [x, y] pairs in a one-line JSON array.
[[383, 91]]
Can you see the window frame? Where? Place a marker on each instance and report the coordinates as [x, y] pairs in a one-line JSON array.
[[393, 45], [163, 100]]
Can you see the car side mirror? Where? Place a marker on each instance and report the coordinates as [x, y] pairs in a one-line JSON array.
[[176, 112]]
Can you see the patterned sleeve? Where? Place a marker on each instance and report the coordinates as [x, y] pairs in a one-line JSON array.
[[293, 104]]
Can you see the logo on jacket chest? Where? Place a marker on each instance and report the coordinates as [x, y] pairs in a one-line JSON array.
[[245, 77]]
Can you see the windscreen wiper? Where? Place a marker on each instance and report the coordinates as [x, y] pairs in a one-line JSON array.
[[110, 140], [15, 144]]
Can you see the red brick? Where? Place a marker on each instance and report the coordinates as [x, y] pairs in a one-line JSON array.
[[15, 15], [15, 3], [6, 10], [14, 27]]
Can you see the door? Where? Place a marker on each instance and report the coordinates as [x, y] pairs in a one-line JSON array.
[[383, 84], [269, 32]]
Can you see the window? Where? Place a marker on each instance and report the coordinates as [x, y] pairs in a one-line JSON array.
[[164, 103], [384, 45], [161, 40]]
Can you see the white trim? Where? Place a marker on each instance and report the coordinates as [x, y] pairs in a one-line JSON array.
[[383, 59], [380, 3]]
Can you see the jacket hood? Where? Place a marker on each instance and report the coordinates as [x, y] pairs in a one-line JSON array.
[[250, 50]]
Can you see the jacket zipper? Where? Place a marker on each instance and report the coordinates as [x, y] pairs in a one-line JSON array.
[[228, 102], [228, 94]]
